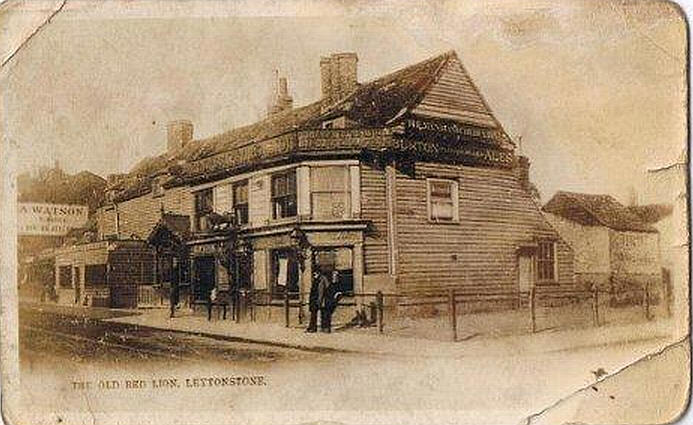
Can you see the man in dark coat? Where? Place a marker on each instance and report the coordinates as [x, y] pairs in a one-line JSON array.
[[174, 296], [316, 299], [330, 302]]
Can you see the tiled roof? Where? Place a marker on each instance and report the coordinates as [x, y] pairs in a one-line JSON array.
[[596, 210], [373, 104], [652, 213]]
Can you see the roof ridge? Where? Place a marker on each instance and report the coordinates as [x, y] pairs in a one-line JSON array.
[[587, 208], [435, 76]]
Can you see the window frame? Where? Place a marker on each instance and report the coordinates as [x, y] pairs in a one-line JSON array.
[[89, 273], [345, 193], [62, 274], [550, 263], [454, 198], [243, 207], [199, 213], [287, 197]]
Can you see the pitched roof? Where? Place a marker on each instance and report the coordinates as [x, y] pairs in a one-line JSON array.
[[596, 210], [170, 225], [652, 213], [437, 88]]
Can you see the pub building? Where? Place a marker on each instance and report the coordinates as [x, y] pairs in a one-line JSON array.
[[404, 184]]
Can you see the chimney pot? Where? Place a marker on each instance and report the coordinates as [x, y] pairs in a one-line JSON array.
[[522, 170], [281, 101], [179, 133]]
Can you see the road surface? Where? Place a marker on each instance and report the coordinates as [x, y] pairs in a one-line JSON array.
[[69, 362]]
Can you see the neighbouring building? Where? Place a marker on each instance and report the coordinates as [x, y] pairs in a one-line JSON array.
[[612, 244], [665, 206], [102, 274], [406, 183]]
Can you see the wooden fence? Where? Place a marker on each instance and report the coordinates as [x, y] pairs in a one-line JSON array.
[[248, 301]]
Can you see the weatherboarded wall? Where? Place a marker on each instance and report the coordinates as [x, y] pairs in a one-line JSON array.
[[479, 252], [138, 216], [374, 208]]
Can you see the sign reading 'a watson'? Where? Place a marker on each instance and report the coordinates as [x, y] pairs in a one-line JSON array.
[[49, 219]]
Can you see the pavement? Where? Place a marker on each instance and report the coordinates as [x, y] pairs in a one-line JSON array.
[[393, 379], [369, 341]]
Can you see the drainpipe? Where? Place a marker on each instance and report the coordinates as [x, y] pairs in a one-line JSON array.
[[117, 221]]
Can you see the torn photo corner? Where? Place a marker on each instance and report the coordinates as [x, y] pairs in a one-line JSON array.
[[344, 212]]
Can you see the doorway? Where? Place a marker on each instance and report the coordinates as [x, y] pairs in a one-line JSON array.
[[205, 272], [525, 272]]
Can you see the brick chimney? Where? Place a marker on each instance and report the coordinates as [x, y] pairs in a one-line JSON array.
[[338, 75], [179, 133], [522, 171], [281, 101]]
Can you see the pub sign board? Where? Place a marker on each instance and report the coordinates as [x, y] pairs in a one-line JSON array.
[[41, 219]]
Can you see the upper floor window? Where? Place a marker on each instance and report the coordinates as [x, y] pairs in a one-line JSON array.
[[443, 200], [240, 202], [330, 189], [546, 261], [204, 204], [284, 194]]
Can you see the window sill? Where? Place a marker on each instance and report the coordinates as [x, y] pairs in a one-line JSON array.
[[448, 222]]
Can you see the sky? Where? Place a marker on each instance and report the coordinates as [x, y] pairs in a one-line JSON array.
[[595, 90]]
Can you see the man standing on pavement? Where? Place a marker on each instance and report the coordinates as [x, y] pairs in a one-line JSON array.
[[331, 298], [174, 296], [316, 300]]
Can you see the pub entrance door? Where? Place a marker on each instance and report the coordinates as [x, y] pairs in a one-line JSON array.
[[205, 272]]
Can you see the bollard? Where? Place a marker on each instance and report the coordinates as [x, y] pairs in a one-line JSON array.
[[286, 308], [379, 302], [373, 312], [452, 309], [532, 313], [595, 305]]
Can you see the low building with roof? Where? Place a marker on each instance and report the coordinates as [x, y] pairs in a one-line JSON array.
[[404, 184], [613, 245]]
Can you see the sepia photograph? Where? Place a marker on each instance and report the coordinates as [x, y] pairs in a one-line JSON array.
[[344, 212]]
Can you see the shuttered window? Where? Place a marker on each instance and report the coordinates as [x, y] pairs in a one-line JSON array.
[[546, 261], [443, 200]]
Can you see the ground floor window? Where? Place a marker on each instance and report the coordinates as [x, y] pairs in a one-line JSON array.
[[546, 261], [337, 261], [95, 274], [65, 276], [284, 272]]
